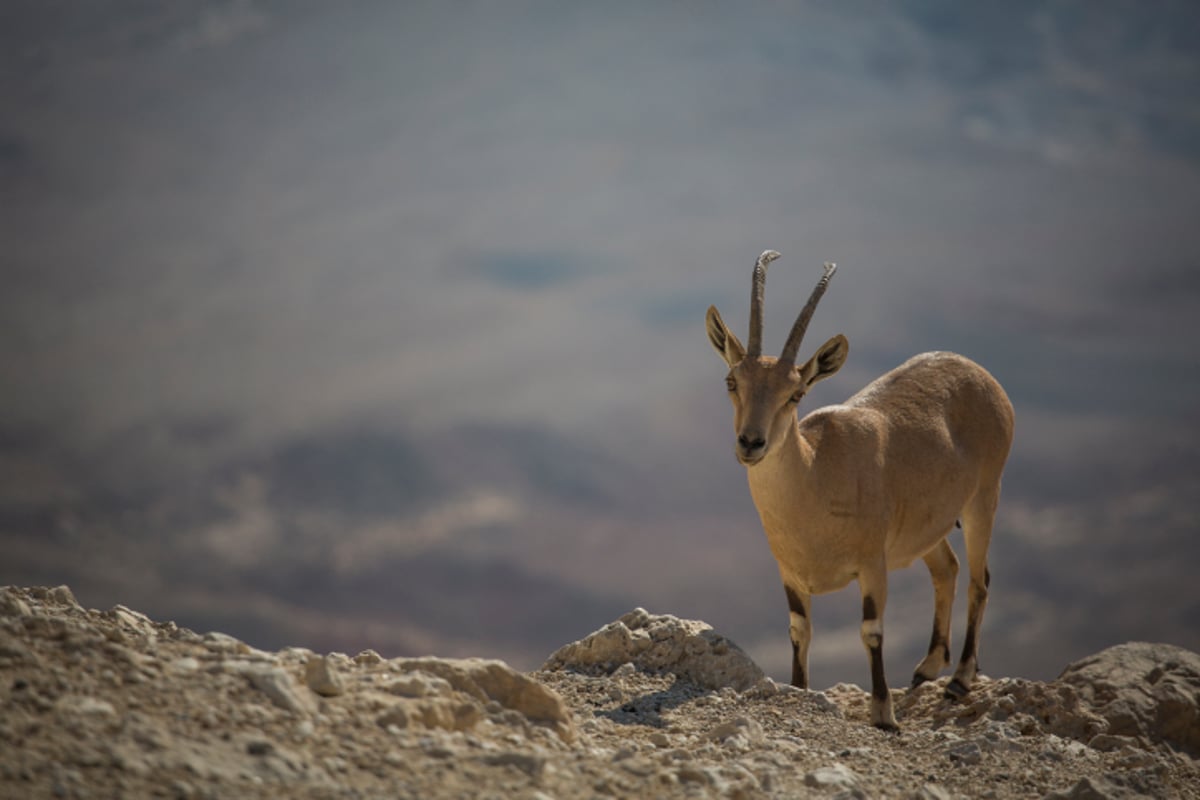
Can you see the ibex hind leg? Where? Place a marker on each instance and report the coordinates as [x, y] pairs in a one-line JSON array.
[[943, 570], [978, 517]]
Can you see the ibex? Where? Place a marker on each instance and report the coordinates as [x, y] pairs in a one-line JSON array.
[[854, 490]]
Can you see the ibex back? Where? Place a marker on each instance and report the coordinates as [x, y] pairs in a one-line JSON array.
[[854, 490]]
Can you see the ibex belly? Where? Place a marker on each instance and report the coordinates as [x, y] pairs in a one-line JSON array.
[[818, 560], [918, 526], [829, 551]]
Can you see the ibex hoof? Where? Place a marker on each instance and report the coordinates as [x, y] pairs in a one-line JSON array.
[[888, 727], [917, 680], [956, 690]]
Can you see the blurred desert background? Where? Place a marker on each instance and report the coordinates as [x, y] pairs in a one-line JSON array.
[[380, 325]]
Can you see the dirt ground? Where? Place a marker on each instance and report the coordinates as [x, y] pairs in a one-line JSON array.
[[97, 704]]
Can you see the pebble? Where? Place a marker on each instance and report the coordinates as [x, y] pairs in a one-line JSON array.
[[965, 753], [91, 706], [835, 776], [11, 604], [279, 688], [321, 676], [530, 764], [259, 747], [747, 727], [368, 658], [63, 596]]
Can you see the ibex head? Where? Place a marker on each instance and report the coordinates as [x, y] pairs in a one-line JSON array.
[[765, 391]]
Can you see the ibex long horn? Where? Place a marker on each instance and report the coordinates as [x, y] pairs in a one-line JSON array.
[[754, 345], [797, 335]]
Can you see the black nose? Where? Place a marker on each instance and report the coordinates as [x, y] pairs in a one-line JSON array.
[[747, 444]]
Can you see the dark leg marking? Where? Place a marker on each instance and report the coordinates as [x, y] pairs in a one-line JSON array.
[[878, 682], [956, 689], [796, 606], [799, 680], [936, 641], [969, 644], [869, 612]]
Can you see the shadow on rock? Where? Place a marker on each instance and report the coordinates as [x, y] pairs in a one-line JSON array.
[[647, 709]]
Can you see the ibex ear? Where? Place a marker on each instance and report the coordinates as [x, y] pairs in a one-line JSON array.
[[722, 338], [828, 360]]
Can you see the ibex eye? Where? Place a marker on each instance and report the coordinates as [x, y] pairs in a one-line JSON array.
[[731, 384], [796, 397]]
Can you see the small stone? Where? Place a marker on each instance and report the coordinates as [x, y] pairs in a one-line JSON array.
[[336, 764], [322, 678], [837, 776], [1107, 742], [11, 603], [626, 670], [765, 688], [435, 749], [279, 687], [693, 774], [822, 703], [931, 791], [394, 717], [94, 707], [259, 747], [63, 596], [368, 658], [660, 739], [965, 753], [182, 790], [530, 764], [132, 619], [747, 727]]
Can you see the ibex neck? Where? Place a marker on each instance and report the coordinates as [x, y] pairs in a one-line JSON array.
[[781, 477]]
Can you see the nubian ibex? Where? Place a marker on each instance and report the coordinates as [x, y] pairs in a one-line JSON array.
[[851, 491]]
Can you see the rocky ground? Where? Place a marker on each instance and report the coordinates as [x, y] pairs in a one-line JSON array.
[[112, 704]]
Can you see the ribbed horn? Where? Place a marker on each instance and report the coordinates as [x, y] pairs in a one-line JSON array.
[[754, 345], [797, 335]]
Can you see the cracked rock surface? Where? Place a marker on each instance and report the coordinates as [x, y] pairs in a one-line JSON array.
[[113, 704]]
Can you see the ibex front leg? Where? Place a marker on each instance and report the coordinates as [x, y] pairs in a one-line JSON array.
[[800, 632], [873, 584]]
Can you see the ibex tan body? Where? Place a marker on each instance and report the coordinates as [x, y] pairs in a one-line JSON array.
[[854, 490]]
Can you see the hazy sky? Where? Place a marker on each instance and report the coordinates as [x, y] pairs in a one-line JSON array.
[[227, 225]]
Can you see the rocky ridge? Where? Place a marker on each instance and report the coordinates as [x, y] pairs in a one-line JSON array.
[[113, 704]]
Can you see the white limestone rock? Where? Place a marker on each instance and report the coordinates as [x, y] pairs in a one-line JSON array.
[[661, 643], [1144, 690]]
